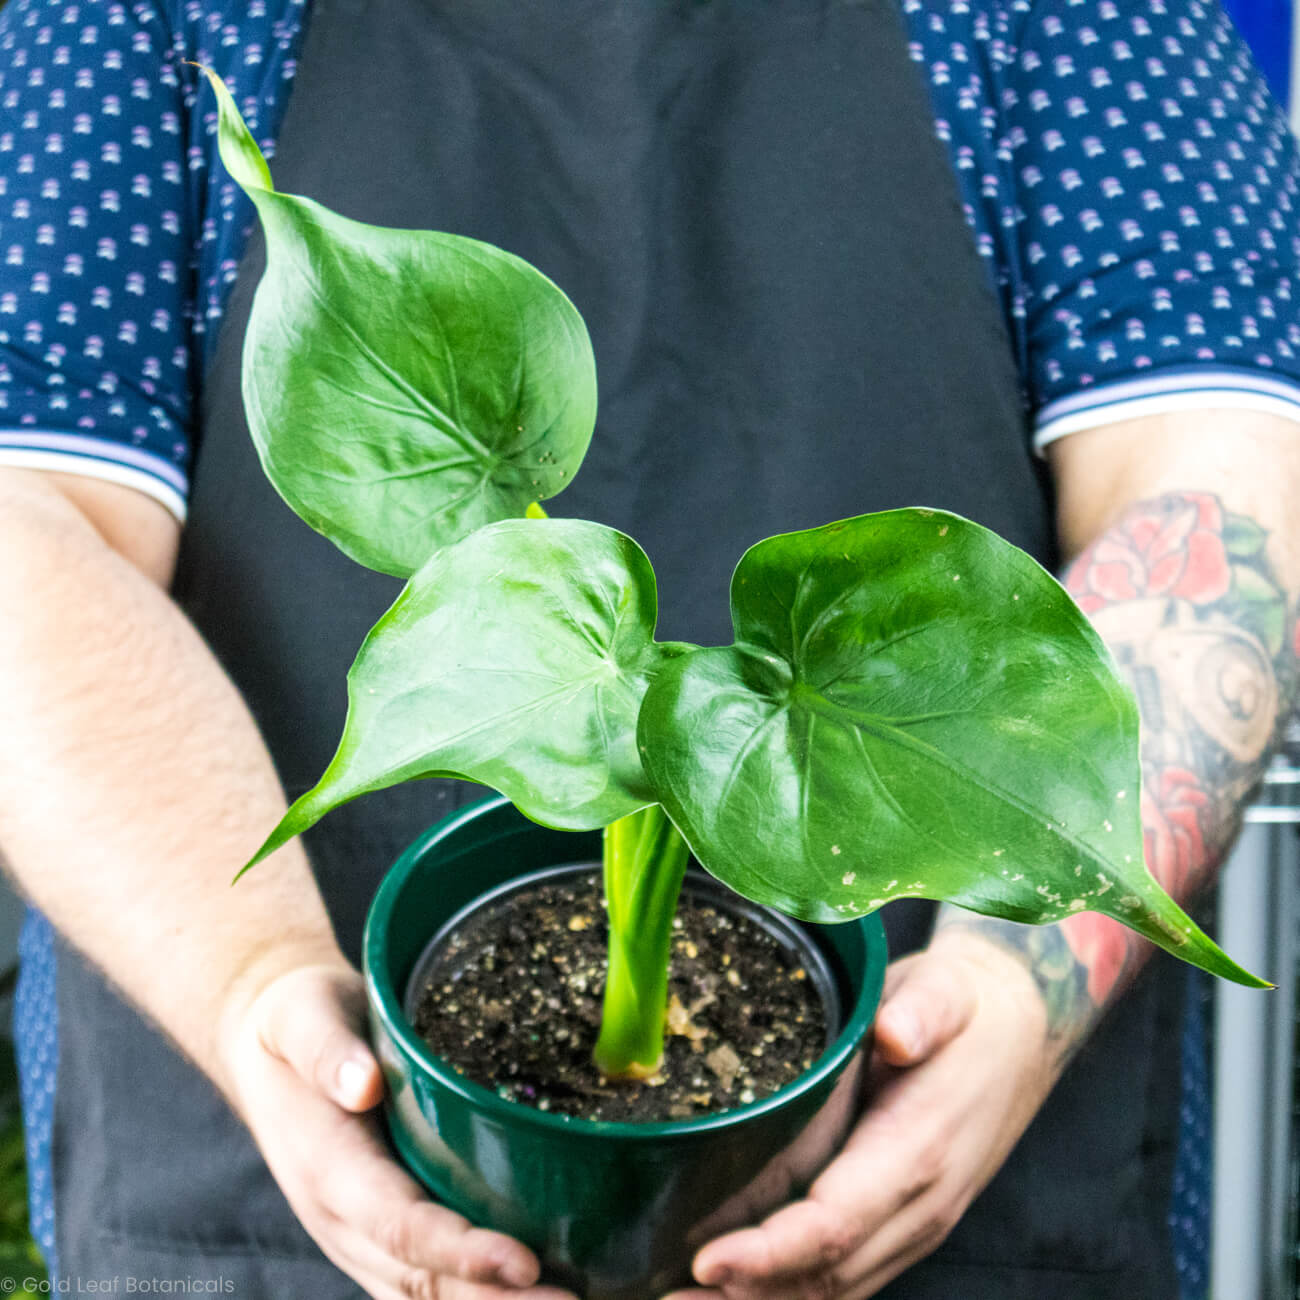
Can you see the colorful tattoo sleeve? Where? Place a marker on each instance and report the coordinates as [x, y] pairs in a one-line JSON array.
[[1187, 599]]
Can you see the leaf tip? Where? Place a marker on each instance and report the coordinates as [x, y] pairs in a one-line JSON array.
[[273, 842], [1200, 950], [290, 826], [235, 144]]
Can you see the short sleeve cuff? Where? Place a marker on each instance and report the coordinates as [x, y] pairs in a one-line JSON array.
[[1186, 389], [69, 453]]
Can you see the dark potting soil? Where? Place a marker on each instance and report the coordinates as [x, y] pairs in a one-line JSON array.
[[513, 1002]]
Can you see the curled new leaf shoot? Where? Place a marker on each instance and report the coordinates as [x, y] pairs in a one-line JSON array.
[[644, 862]]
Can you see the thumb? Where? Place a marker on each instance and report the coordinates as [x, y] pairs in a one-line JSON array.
[[926, 1007], [310, 1019]]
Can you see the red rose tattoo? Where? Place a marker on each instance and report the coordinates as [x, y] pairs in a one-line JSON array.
[[1170, 547], [1173, 804], [1101, 946]]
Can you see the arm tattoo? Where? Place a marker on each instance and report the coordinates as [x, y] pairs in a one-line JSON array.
[[1186, 597]]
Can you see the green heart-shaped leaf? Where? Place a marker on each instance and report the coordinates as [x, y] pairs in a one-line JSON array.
[[912, 708], [517, 657], [403, 387]]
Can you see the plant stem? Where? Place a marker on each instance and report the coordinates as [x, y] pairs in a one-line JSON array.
[[645, 860]]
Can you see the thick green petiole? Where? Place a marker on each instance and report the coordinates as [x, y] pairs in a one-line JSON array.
[[645, 860]]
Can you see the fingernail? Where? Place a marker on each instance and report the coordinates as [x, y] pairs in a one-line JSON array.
[[719, 1276], [351, 1081]]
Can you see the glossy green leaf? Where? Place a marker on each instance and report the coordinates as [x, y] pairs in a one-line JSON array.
[[912, 708], [404, 387], [518, 658]]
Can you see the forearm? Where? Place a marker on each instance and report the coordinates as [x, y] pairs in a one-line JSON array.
[[1188, 598], [133, 782]]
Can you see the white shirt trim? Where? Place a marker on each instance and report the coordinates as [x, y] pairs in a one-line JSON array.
[[110, 471], [1183, 390]]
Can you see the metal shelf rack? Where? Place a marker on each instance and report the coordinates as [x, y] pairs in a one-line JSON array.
[[1256, 1062]]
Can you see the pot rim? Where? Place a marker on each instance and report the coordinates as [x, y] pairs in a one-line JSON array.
[[386, 1003]]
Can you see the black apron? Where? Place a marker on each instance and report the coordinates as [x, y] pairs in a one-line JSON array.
[[748, 204]]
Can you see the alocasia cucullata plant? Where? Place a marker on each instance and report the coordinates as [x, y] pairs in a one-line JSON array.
[[912, 707]]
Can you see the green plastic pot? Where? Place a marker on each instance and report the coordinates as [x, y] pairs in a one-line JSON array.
[[615, 1211]]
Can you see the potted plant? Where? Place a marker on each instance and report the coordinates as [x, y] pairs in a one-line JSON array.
[[911, 708]]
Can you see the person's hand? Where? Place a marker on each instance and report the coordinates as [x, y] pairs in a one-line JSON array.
[[302, 1079], [961, 1065]]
